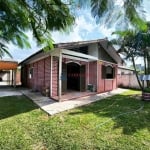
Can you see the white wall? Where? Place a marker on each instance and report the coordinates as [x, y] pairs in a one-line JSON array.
[[125, 71], [93, 50]]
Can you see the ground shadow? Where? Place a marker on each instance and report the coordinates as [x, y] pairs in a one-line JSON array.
[[127, 111], [14, 105]]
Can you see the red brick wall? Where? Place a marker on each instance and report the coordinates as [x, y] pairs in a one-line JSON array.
[[18, 78], [41, 74], [93, 73], [55, 76]]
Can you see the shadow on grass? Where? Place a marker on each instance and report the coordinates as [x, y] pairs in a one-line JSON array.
[[14, 105], [126, 111]]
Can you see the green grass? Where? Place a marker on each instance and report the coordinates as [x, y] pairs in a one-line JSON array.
[[100, 125]]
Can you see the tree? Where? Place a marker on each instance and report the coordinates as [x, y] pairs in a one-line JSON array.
[[126, 12], [135, 44], [44, 16], [39, 16]]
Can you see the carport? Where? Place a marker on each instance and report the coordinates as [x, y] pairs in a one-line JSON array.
[[8, 72]]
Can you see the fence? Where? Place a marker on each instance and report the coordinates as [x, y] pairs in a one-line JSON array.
[[128, 81]]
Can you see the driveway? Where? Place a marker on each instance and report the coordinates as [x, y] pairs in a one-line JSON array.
[[9, 91]]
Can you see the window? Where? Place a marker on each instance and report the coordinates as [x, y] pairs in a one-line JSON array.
[[30, 73], [108, 72]]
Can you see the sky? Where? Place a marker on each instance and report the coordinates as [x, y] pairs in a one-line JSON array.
[[85, 28]]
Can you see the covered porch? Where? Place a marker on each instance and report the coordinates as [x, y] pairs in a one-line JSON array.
[[8, 71], [70, 74]]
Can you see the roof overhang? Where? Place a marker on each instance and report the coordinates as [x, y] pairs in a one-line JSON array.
[[8, 65], [73, 55]]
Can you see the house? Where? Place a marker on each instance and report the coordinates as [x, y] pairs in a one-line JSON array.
[[75, 66], [8, 73]]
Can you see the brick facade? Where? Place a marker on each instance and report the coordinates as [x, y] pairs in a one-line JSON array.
[[42, 75]]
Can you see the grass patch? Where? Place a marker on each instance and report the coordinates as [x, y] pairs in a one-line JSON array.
[[111, 123]]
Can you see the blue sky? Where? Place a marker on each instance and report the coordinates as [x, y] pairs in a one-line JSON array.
[[85, 28]]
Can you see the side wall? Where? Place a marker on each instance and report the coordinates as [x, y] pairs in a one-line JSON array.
[[41, 74], [128, 81], [93, 73], [104, 85]]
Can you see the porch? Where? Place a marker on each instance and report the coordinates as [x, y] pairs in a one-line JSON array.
[[70, 74], [70, 95]]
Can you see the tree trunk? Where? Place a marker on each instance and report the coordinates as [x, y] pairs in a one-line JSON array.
[[141, 87]]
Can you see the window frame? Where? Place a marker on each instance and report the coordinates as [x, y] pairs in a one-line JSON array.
[[105, 74]]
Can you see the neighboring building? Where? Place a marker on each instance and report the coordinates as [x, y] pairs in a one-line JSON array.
[[8, 73], [72, 66]]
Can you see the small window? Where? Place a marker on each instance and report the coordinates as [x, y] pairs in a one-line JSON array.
[[108, 72], [30, 73]]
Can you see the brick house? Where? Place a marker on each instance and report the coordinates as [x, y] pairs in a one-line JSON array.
[[76, 66]]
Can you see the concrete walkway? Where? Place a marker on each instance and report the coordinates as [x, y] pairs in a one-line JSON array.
[[52, 107], [9, 92]]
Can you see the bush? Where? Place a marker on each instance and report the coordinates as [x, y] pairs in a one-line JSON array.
[[147, 90]]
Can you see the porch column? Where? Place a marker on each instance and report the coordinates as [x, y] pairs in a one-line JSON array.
[[60, 77], [51, 78]]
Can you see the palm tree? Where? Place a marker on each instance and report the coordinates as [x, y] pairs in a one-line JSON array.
[[135, 44], [124, 11], [41, 17]]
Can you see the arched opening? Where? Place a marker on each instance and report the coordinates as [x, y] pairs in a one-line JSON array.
[[73, 76]]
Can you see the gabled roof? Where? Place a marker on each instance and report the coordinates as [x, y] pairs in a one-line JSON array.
[[103, 42]]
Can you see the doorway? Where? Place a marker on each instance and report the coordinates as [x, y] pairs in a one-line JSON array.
[[73, 76]]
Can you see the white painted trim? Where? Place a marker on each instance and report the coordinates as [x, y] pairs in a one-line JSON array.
[[75, 58], [97, 75], [73, 62], [60, 77], [100, 60], [40, 57], [51, 78], [65, 51], [109, 65]]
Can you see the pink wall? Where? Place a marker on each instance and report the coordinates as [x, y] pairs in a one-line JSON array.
[[105, 85], [41, 74], [55, 76], [93, 73]]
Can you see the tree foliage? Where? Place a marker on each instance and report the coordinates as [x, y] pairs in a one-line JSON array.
[[44, 16], [125, 12], [39, 16], [134, 44]]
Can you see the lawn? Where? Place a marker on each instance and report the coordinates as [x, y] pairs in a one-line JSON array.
[[121, 122]]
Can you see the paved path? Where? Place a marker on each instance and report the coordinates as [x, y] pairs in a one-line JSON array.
[[9, 92], [52, 107]]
